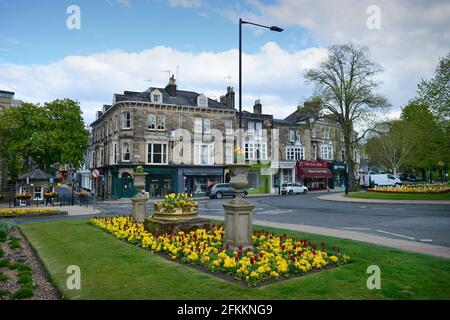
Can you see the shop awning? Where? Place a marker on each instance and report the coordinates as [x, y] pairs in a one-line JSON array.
[[314, 173]]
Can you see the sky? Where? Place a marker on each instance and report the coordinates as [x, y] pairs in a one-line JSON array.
[[131, 44]]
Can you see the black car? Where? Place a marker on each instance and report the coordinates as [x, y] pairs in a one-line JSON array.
[[221, 190]]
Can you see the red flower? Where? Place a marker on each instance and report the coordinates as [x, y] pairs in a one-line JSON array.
[[252, 260], [292, 258], [299, 253], [236, 259], [261, 255], [240, 247]]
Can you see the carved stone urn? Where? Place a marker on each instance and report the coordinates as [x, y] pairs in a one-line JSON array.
[[139, 180], [238, 223]]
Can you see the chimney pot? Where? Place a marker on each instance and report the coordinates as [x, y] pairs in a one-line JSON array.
[[257, 108]]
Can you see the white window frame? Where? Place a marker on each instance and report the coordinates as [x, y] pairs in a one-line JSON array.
[[250, 128], [41, 193], [206, 125], [115, 153], [228, 154], [123, 152], [198, 125], [124, 120], [326, 152], [200, 158], [251, 151], [202, 101], [151, 121], [156, 96], [228, 126], [295, 153], [160, 122], [150, 153]]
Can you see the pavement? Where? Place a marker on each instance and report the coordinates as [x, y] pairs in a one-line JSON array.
[[340, 197], [405, 245]]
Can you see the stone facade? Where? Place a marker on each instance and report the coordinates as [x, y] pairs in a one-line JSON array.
[[184, 140]]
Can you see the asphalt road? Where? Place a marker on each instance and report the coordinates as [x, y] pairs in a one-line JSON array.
[[424, 223]]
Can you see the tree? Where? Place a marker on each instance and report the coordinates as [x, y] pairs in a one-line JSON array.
[[345, 85], [436, 92], [430, 141], [391, 145], [45, 136]]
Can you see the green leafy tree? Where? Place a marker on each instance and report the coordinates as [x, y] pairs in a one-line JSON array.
[[436, 91], [345, 86], [45, 136], [430, 142], [391, 145]]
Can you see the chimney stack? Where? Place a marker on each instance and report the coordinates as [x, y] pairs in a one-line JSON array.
[[257, 108], [171, 88], [228, 99]]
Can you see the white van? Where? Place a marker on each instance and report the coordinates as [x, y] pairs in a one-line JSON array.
[[384, 180]]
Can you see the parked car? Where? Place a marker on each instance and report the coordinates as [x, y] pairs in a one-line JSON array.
[[403, 176], [411, 178], [384, 180], [220, 190], [291, 188]]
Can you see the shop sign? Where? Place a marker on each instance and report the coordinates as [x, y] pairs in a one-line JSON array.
[[313, 164]]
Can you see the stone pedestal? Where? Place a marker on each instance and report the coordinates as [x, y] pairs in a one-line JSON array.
[[139, 208], [238, 223], [155, 225]]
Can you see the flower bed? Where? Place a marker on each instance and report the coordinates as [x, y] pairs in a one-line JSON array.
[[419, 188], [15, 212], [172, 202], [274, 256]]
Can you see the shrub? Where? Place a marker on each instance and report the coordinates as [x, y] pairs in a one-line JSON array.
[[20, 266], [3, 276], [14, 243], [23, 292], [4, 293], [2, 252], [4, 263], [24, 277]]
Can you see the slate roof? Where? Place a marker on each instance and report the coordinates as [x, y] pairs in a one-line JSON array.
[[35, 175], [185, 98]]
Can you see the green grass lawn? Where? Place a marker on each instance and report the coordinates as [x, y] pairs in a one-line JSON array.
[[112, 269], [399, 196]]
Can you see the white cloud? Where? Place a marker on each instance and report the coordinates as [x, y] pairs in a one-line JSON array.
[[186, 3], [413, 35], [271, 74]]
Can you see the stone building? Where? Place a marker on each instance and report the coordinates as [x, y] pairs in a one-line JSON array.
[[310, 149], [6, 101], [181, 138]]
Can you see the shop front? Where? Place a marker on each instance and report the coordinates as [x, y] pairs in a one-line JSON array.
[[197, 179], [287, 171], [338, 174], [314, 174]]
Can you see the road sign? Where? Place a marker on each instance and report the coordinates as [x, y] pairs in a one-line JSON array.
[[95, 173]]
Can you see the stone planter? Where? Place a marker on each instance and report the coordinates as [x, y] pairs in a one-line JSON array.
[[139, 180], [238, 223]]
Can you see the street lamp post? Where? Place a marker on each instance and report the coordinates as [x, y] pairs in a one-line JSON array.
[[241, 22]]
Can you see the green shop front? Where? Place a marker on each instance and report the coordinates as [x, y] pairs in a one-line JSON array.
[[159, 181]]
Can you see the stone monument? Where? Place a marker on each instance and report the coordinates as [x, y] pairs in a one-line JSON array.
[[177, 211], [139, 201], [238, 222]]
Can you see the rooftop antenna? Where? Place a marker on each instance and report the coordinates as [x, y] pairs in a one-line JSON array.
[[168, 72], [229, 79]]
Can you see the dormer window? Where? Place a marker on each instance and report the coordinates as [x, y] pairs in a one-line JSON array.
[[202, 101], [156, 96]]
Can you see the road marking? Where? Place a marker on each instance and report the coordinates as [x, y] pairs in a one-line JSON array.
[[426, 240], [399, 209], [356, 228], [396, 234], [268, 212], [363, 207]]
